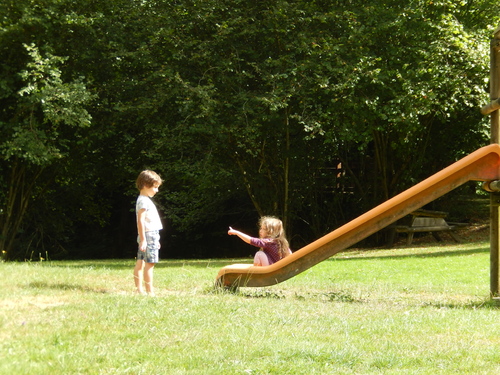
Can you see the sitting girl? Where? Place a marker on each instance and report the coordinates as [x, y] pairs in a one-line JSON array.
[[272, 242]]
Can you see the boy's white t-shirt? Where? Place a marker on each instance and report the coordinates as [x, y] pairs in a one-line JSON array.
[[152, 218]]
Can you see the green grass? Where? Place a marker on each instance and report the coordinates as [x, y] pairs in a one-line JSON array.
[[423, 310]]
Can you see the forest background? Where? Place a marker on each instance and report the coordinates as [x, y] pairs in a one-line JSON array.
[[313, 111]]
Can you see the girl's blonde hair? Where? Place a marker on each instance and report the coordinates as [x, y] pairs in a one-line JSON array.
[[275, 230]]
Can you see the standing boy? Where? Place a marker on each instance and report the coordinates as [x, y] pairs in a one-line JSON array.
[[148, 229]]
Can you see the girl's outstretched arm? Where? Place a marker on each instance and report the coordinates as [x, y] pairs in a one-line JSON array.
[[243, 236]]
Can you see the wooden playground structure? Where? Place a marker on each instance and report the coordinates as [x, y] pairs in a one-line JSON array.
[[494, 186]]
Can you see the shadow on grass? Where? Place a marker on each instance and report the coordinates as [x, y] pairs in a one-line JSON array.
[[346, 297], [337, 296], [64, 286], [372, 254], [490, 304]]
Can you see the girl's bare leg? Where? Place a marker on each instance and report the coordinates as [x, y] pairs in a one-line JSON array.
[[260, 259]]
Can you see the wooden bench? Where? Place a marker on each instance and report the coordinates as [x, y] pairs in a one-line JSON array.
[[424, 221]]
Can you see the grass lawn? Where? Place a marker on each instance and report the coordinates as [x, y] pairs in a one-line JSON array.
[[421, 310]]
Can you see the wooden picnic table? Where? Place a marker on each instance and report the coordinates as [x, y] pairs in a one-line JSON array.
[[424, 221]]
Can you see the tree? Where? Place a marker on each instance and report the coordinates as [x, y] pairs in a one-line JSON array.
[[32, 139], [294, 88], [311, 111], [414, 68]]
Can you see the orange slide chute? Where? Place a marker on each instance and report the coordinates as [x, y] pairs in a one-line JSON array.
[[481, 165]]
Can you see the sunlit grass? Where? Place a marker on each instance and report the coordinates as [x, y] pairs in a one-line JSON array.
[[424, 310]]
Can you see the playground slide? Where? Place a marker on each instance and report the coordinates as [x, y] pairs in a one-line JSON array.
[[481, 165]]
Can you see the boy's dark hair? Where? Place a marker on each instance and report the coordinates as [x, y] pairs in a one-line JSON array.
[[148, 179]]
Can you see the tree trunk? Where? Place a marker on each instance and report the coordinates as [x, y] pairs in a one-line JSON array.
[[20, 190], [286, 173]]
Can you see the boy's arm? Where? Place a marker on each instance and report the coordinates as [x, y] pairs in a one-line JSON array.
[[141, 229], [243, 236]]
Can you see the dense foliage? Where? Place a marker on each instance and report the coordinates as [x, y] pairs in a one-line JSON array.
[[313, 111]]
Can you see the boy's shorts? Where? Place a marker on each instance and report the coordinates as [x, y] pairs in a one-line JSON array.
[[152, 249]]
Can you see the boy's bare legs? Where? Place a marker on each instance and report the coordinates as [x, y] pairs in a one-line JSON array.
[[148, 278], [139, 275]]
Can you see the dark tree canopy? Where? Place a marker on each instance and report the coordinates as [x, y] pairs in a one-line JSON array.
[[313, 111]]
